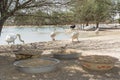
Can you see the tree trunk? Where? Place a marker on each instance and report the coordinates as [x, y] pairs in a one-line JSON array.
[[119, 19], [87, 23], [2, 21], [97, 24]]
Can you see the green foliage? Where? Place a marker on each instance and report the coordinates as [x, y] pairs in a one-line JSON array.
[[82, 11], [92, 10], [62, 17], [101, 10], [43, 18]]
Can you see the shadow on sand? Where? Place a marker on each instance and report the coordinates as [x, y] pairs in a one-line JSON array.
[[68, 70]]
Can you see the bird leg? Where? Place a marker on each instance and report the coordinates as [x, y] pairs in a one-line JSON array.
[[72, 39], [53, 39], [77, 39]]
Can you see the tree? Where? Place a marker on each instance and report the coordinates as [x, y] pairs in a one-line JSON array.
[[76, 6], [118, 9], [86, 11], [9, 7], [44, 18], [61, 17], [92, 10], [102, 10], [36, 18]]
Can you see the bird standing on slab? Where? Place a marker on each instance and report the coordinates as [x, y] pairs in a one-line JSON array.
[[10, 38], [75, 35], [97, 31]]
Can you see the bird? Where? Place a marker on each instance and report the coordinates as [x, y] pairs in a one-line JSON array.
[[12, 37], [97, 31], [75, 35], [53, 35], [72, 26]]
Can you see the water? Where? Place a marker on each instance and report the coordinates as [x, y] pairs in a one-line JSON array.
[[33, 34]]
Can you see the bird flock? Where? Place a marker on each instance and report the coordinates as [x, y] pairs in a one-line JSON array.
[[73, 33], [10, 38]]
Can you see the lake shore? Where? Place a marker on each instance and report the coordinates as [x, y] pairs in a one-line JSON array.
[[69, 69]]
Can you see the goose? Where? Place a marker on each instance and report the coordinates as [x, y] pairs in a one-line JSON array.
[[97, 31], [53, 35], [75, 35], [12, 37]]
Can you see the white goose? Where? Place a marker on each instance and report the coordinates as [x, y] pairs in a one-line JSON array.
[[12, 37], [53, 35], [75, 35]]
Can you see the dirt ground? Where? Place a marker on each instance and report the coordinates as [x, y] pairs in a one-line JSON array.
[[69, 69]]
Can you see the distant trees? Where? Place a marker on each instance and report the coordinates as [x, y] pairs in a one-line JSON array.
[[118, 9], [43, 18], [80, 11], [92, 10], [61, 17], [102, 10], [30, 19]]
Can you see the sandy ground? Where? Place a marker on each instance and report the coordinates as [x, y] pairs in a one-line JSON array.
[[68, 69]]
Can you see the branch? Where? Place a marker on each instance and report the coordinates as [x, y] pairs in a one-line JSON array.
[[2, 7], [43, 3], [5, 4], [17, 3], [32, 4], [1, 1], [39, 5], [25, 3], [19, 7], [9, 4]]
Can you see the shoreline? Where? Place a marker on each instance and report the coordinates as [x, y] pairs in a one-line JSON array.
[[110, 24], [91, 43]]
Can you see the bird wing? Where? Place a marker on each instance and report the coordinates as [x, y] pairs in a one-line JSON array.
[[11, 37]]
